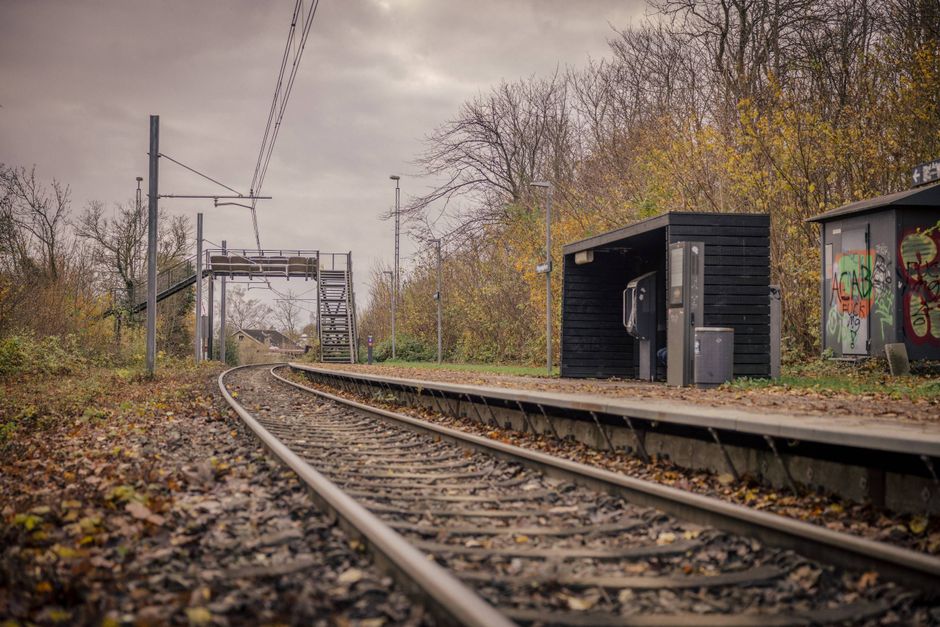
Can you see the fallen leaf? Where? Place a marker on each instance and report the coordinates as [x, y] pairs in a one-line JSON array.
[[142, 512], [198, 616], [867, 580], [918, 525], [351, 575]]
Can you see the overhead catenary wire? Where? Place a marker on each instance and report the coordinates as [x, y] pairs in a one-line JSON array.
[[198, 173], [295, 44]]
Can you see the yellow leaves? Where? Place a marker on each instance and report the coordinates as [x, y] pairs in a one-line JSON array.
[[198, 616], [521, 539], [64, 552], [57, 615], [124, 494], [918, 525], [583, 602], [89, 524], [666, 537], [27, 521]]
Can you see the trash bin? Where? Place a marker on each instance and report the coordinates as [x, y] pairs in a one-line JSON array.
[[714, 356]]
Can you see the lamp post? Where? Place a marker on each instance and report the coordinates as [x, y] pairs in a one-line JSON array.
[[546, 268], [391, 279], [395, 178]]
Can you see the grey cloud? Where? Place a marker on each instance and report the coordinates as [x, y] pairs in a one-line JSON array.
[[80, 79]]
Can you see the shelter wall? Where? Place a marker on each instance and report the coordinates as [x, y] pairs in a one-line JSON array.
[[737, 280], [593, 340]]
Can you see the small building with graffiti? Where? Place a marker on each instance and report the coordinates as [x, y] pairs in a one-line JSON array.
[[881, 274]]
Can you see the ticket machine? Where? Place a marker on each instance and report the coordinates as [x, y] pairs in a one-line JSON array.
[[685, 299], [639, 318]]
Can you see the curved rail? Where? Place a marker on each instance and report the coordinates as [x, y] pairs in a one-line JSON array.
[[910, 567], [446, 596]]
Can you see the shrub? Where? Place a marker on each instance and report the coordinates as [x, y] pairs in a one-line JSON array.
[[407, 348], [24, 354]]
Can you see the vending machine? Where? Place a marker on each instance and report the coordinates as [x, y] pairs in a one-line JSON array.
[[639, 318], [686, 271]]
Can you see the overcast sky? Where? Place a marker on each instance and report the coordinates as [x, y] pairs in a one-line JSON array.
[[78, 81]]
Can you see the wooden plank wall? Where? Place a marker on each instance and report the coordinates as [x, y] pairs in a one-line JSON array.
[[737, 280], [593, 340]]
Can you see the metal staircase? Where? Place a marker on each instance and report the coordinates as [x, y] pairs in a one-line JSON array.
[[170, 280], [337, 314]]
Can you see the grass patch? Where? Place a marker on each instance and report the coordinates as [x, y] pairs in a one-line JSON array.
[[524, 371], [31, 402], [869, 378]]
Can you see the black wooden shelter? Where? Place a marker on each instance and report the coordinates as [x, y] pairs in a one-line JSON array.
[[594, 342], [881, 274]]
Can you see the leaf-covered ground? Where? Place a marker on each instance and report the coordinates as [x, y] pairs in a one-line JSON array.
[[133, 502]]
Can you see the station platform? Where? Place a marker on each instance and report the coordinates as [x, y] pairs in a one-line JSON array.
[[634, 399], [861, 456]]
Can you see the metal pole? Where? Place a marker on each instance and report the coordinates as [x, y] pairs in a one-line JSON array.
[[222, 313], [437, 297], [391, 279], [152, 246], [548, 281], [395, 286], [210, 327], [198, 333]]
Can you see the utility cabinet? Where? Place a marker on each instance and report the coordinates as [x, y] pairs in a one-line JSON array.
[[880, 279]]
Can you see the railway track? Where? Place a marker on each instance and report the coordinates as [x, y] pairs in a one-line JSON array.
[[515, 536]]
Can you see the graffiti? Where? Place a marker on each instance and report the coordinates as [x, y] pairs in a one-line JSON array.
[[850, 295], [883, 293], [919, 264]]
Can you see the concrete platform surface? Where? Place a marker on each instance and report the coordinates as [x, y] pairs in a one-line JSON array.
[[866, 432]]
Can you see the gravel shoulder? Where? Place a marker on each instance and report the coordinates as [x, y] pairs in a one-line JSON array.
[[158, 508]]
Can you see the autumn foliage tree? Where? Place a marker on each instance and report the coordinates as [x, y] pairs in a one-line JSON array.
[[786, 107]]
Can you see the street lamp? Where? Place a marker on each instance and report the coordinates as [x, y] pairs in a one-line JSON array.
[[395, 178], [546, 269], [391, 279]]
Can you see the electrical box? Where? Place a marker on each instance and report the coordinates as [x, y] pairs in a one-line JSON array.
[[639, 318], [685, 294]]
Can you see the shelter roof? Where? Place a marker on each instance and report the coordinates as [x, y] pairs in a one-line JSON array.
[[637, 228], [926, 196]]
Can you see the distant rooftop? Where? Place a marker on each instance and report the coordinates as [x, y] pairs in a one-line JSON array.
[[270, 337]]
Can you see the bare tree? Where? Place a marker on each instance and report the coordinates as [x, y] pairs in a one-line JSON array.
[[120, 243], [245, 312], [39, 212], [288, 314], [498, 143]]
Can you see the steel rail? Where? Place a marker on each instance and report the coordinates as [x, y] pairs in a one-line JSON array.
[[915, 569], [448, 598]]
